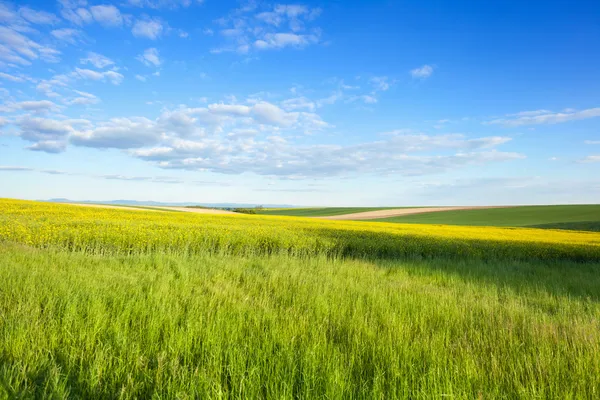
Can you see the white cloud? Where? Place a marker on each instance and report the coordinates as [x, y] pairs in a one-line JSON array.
[[141, 78], [260, 138], [112, 76], [367, 99], [545, 117], [107, 15], [17, 48], [84, 99], [150, 57], [380, 83], [35, 106], [97, 60], [229, 109], [36, 129], [530, 113], [281, 40], [119, 133], [12, 78], [38, 17], [48, 146], [274, 27], [150, 28], [298, 103], [286, 160], [158, 4], [268, 113], [78, 16], [593, 142], [590, 159], [66, 34], [422, 72]]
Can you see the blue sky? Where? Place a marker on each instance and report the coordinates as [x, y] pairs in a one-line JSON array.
[[308, 103]]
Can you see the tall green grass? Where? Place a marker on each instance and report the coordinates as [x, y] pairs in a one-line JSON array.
[[73, 325]]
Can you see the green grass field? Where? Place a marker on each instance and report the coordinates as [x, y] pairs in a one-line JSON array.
[[559, 217], [217, 326], [105, 303], [320, 212]]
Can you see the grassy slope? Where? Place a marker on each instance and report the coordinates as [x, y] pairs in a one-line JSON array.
[[218, 326], [321, 212], [515, 216]]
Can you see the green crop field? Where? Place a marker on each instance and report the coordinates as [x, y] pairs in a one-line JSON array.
[[576, 217], [320, 212], [106, 303]]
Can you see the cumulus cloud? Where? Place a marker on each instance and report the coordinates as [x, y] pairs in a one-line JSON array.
[[271, 28], [150, 57], [268, 113], [118, 133], [48, 146], [150, 28], [36, 129], [36, 106], [280, 159], [261, 138], [97, 60], [541, 117], [107, 15], [422, 72]]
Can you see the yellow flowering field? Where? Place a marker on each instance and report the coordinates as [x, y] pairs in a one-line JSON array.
[[117, 231]]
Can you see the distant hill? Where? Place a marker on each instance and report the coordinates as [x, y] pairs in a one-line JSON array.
[[162, 204]]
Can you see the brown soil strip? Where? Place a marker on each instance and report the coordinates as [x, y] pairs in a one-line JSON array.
[[400, 212]]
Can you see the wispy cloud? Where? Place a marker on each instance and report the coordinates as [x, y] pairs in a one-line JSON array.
[[590, 159], [540, 117], [272, 28], [66, 34], [150, 57], [97, 60], [422, 72]]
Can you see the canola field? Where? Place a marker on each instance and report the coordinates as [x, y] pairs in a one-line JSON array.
[[104, 303], [110, 231]]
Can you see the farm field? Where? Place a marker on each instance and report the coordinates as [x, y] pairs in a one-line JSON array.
[[564, 216], [111, 303], [320, 212]]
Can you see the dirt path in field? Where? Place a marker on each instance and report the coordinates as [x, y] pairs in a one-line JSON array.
[[400, 212]]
